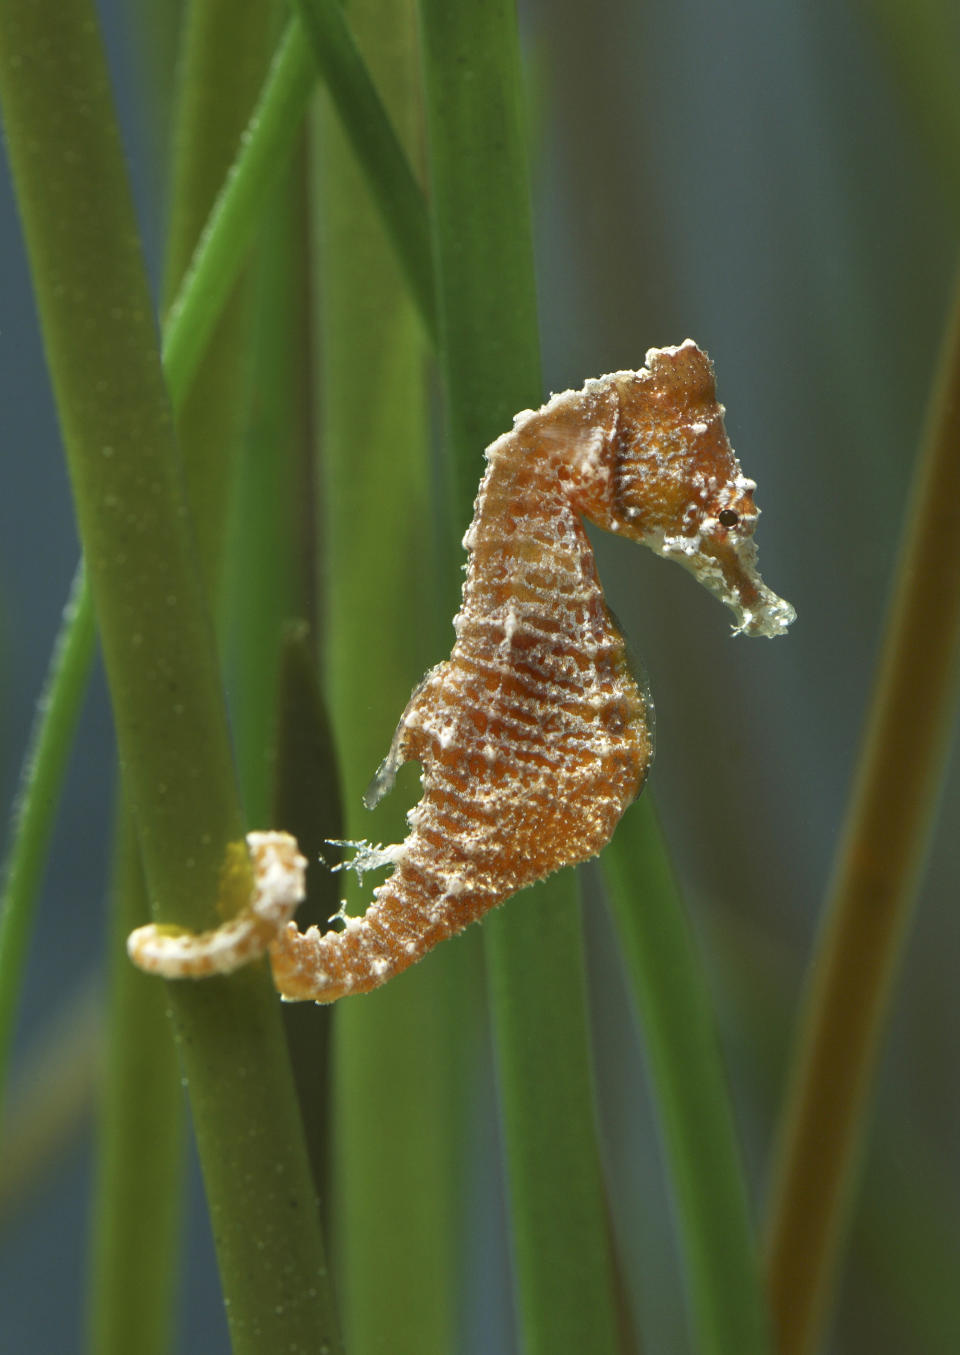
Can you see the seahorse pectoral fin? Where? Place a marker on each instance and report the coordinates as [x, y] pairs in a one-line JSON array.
[[384, 777], [402, 748]]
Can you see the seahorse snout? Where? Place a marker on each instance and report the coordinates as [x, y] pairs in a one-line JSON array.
[[729, 570]]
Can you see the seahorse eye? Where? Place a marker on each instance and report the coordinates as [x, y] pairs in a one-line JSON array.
[[728, 518]]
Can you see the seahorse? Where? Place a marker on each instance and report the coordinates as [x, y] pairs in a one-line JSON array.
[[534, 736]]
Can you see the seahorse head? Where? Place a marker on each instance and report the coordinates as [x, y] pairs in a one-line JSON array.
[[675, 484]]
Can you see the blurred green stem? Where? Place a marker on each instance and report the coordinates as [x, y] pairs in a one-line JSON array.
[[223, 58], [376, 145], [137, 1199], [691, 1101], [269, 560], [920, 42], [307, 801], [876, 878], [51, 740]]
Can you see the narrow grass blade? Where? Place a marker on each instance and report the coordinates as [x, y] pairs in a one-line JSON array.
[[158, 645], [271, 570], [375, 143], [307, 801], [875, 884], [690, 1096], [402, 1056], [137, 1198], [51, 739], [563, 1267], [223, 58], [215, 260], [489, 356]]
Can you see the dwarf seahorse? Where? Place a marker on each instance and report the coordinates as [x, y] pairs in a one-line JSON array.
[[534, 736]]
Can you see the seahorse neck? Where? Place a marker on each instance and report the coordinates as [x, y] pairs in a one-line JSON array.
[[530, 562]]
